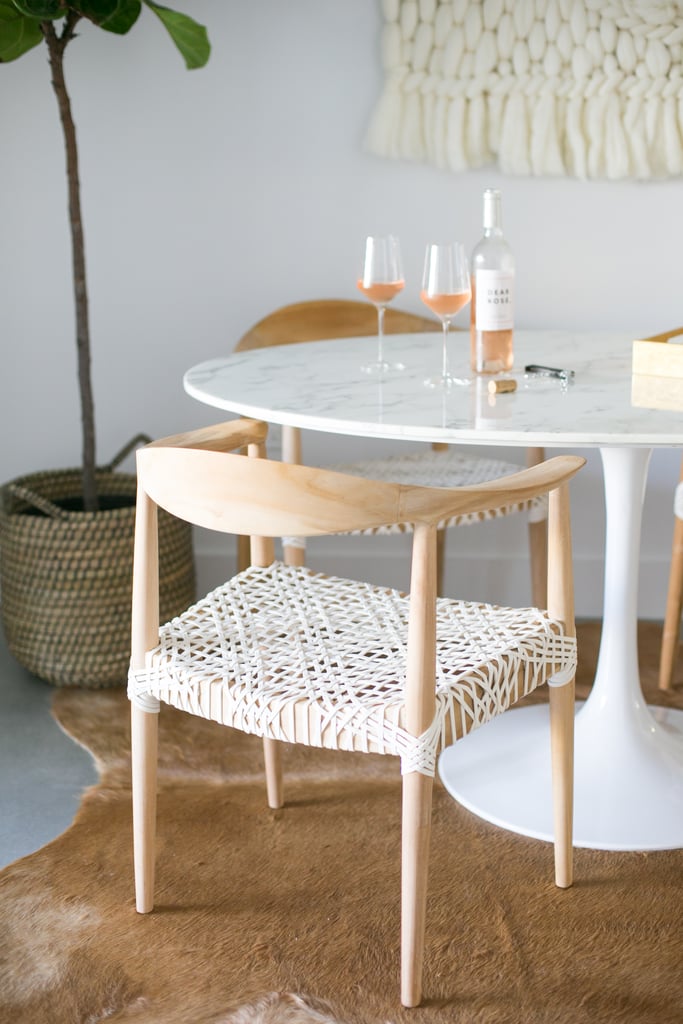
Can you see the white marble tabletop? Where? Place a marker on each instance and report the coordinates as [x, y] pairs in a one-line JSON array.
[[629, 763], [319, 386]]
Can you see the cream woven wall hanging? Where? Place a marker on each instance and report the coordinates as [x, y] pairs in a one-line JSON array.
[[588, 88]]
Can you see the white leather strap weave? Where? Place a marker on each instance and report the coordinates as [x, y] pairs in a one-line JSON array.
[[288, 654]]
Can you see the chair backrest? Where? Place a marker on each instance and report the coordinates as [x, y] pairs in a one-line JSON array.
[[320, 319], [196, 478]]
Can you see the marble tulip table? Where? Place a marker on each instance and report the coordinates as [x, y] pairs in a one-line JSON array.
[[629, 757]]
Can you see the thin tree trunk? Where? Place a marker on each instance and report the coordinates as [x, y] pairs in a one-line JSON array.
[[56, 45]]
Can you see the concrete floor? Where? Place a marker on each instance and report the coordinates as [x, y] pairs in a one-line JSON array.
[[42, 772]]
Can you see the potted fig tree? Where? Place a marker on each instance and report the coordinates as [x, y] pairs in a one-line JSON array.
[[66, 536]]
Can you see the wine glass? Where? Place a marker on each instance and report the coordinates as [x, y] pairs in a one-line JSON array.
[[445, 290], [381, 281]]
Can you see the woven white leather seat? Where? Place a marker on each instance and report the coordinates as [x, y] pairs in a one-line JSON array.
[[295, 656], [332, 318], [288, 654]]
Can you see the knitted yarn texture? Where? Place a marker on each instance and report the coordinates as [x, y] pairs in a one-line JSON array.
[[584, 88]]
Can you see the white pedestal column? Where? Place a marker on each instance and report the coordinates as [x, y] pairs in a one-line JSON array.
[[629, 758]]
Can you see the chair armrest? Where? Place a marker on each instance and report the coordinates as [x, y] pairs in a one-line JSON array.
[[220, 437], [418, 504]]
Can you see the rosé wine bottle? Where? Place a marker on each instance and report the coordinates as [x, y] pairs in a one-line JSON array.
[[493, 283]]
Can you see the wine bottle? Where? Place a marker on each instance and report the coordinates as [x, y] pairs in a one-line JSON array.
[[492, 306]]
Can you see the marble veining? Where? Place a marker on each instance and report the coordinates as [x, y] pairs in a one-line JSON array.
[[319, 386]]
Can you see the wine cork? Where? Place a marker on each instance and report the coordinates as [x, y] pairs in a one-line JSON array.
[[500, 386]]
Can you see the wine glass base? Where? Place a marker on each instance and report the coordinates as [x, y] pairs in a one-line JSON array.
[[447, 381], [382, 367]]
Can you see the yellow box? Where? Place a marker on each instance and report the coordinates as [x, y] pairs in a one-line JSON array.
[[660, 355], [650, 392]]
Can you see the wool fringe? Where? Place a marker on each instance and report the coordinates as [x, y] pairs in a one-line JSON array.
[[587, 88], [603, 136]]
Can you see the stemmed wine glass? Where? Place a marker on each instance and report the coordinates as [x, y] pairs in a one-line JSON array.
[[445, 290], [381, 281]]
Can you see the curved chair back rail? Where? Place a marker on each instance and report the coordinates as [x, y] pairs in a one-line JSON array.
[[321, 319], [234, 494]]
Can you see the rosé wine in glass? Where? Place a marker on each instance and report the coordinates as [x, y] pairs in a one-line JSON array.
[[445, 291], [380, 283], [447, 304], [381, 294]]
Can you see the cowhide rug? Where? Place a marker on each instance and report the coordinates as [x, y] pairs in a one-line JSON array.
[[292, 916]]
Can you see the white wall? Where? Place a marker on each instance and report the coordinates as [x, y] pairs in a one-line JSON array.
[[213, 196]]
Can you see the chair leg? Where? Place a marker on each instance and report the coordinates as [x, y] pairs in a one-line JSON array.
[[293, 554], [440, 560], [538, 556], [243, 553], [562, 758], [417, 817], [144, 743], [538, 544], [674, 606], [272, 755]]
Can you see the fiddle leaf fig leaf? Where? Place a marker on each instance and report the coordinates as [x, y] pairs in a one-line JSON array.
[[124, 18], [113, 15], [18, 34], [188, 35], [41, 9]]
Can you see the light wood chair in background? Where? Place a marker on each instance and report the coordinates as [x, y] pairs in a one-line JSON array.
[[440, 465], [295, 656], [674, 598]]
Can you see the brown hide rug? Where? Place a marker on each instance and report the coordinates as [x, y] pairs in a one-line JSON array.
[[292, 916]]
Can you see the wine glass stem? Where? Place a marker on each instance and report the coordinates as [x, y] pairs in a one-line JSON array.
[[380, 335], [444, 362]]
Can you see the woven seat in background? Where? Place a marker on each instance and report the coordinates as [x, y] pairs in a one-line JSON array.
[[295, 656], [322, 319], [450, 468]]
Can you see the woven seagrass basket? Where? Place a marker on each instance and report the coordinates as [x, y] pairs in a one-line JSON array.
[[66, 576]]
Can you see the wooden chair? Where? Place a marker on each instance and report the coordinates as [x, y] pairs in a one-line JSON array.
[[290, 655], [442, 466], [674, 598]]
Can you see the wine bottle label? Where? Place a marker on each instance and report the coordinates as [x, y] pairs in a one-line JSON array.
[[494, 306]]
